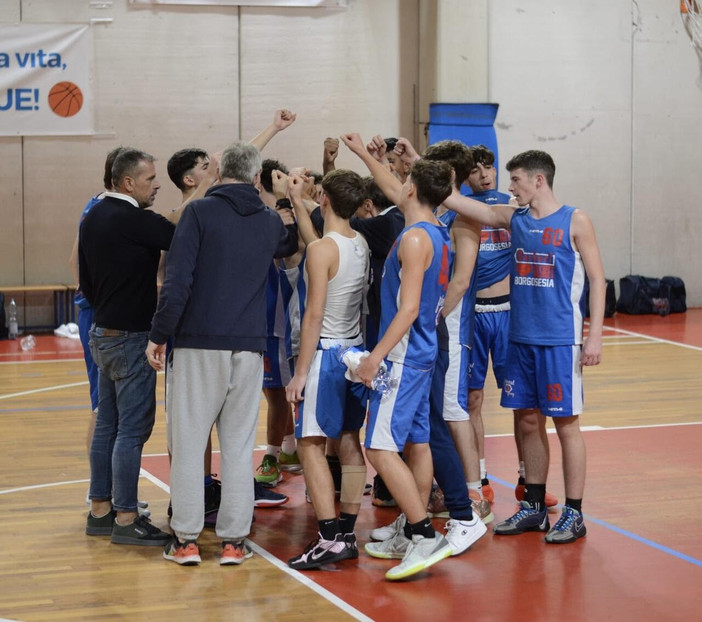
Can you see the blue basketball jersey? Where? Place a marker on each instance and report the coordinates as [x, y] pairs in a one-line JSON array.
[[494, 257], [547, 280], [78, 297], [460, 321], [418, 347]]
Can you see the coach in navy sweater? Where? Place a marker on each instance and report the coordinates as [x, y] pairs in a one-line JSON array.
[[213, 301]]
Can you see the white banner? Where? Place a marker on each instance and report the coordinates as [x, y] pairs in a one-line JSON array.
[[327, 3], [45, 85]]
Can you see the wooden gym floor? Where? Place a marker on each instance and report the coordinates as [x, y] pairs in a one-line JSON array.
[[641, 559]]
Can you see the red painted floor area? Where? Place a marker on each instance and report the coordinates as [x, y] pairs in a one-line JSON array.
[[679, 327], [635, 564]]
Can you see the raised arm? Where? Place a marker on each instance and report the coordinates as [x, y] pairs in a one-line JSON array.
[[389, 184], [304, 224], [282, 119], [585, 243], [331, 150], [498, 216]]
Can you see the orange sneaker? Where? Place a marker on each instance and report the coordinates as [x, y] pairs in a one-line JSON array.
[[234, 553], [488, 492]]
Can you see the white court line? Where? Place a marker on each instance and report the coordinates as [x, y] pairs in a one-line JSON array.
[[324, 593], [54, 388], [599, 428], [656, 339], [23, 488], [69, 360]]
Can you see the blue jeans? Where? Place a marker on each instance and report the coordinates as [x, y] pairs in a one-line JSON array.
[[126, 412]]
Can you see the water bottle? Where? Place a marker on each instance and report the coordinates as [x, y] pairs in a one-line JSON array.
[[12, 328], [383, 382]]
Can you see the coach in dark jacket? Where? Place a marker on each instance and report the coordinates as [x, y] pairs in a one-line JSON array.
[[213, 301]]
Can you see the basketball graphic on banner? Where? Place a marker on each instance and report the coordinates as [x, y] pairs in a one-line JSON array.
[[65, 99]]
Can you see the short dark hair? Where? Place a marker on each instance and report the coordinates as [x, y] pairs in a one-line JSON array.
[[109, 161], [482, 155], [267, 169], [534, 161], [127, 163], [433, 180], [375, 194], [182, 162], [345, 190], [455, 153], [390, 143]]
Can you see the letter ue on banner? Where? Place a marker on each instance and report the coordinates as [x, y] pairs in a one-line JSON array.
[[45, 82]]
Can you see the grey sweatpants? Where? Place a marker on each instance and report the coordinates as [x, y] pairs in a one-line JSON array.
[[205, 387]]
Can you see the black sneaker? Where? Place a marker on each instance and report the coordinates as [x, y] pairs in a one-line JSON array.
[[100, 526], [381, 495], [351, 545], [320, 552], [267, 498], [213, 496], [141, 532]]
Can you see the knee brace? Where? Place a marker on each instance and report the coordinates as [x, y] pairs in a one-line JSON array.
[[353, 483]]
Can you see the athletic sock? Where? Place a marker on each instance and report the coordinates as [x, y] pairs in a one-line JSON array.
[[522, 470], [483, 471], [576, 504], [288, 445], [273, 450], [208, 480], [422, 528], [477, 486], [535, 494], [329, 528], [347, 522]]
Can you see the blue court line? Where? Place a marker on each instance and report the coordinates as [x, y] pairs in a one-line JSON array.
[[620, 531]]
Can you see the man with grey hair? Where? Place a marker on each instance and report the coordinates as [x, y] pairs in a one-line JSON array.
[[213, 301], [120, 243]]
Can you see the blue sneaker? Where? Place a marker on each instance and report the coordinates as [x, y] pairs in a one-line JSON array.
[[569, 528], [526, 519], [266, 498]]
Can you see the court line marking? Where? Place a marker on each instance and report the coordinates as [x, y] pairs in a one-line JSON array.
[[272, 559], [656, 339], [622, 532], [57, 387]]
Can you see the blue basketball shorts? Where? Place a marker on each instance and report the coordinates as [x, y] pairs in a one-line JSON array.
[[277, 369], [401, 416], [545, 377], [332, 404], [489, 340], [456, 383]]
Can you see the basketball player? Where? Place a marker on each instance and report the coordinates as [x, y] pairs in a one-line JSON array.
[[553, 247], [414, 283], [328, 405], [492, 314]]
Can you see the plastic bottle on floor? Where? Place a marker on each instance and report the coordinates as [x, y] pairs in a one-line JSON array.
[[12, 328]]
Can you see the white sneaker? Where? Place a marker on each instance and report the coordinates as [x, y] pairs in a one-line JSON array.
[[392, 548], [388, 531], [462, 534], [421, 553]]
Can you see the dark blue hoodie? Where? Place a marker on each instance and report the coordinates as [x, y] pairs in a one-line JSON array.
[[213, 296]]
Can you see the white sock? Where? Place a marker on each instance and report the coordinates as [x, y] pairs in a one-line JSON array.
[[521, 469], [477, 486], [483, 471], [273, 450], [289, 444]]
